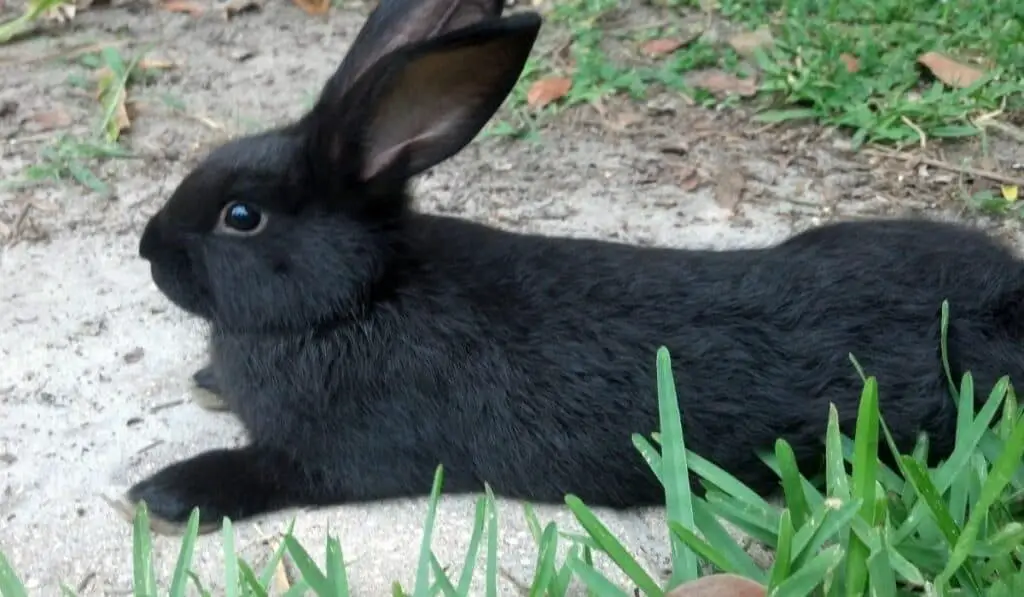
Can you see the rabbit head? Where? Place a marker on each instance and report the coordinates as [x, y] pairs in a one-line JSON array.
[[299, 226]]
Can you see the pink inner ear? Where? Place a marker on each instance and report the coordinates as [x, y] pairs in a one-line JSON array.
[[392, 142], [425, 104]]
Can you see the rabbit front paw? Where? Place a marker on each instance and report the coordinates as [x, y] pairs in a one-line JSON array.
[[209, 396], [236, 484]]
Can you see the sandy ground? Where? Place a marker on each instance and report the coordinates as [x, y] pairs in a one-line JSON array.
[[95, 363]]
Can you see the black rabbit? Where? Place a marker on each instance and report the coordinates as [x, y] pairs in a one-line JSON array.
[[362, 343]]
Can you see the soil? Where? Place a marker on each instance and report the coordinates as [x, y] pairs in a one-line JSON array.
[[94, 382]]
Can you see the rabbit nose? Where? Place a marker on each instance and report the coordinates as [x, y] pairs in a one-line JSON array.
[[151, 239]]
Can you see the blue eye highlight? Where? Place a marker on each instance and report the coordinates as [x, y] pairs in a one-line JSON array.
[[242, 217]]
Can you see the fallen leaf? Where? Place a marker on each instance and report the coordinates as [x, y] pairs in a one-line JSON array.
[[719, 585], [50, 119], [109, 86], [544, 91], [660, 47], [729, 188], [184, 6], [747, 42], [851, 62], [949, 71], [154, 64], [689, 180], [314, 7], [120, 121], [719, 82]]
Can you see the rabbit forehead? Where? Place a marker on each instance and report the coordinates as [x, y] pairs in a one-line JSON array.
[[260, 169]]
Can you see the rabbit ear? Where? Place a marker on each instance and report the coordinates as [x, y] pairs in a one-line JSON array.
[[422, 104], [397, 23]]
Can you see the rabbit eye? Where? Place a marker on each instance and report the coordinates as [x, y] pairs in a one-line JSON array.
[[242, 218]]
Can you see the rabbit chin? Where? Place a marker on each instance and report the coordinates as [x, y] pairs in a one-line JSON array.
[[182, 289]]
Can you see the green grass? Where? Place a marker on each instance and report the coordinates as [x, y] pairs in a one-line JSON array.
[[890, 99], [28, 20], [863, 529], [74, 158]]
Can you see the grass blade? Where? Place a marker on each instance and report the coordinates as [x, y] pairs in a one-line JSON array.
[[739, 560], [865, 466], [443, 582], [142, 554], [337, 576], [748, 519], [822, 527], [10, 584], [469, 565], [781, 567], [251, 586], [492, 543], [532, 522], [694, 542], [180, 579], [231, 576], [731, 486], [796, 502], [835, 471], [560, 583], [611, 546], [811, 576], [883, 581], [596, 582], [422, 587], [271, 567], [930, 495], [545, 570], [998, 478], [944, 346], [675, 472], [310, 572]]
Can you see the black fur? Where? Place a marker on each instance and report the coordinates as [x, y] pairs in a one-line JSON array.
[[362, 343]]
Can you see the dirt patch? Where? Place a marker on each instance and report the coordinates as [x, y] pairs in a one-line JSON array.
[[94, 383]]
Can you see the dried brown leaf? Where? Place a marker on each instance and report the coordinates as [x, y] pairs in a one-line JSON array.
[[155, 64], [719, 82], [121, 121], [314, 7], [729, 188], [188, 7], [949, 71], [48, 120], [745, 43], [850, 61], [656, 48], [660, 47], [546, 90], [689, 179], [719, 585]]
